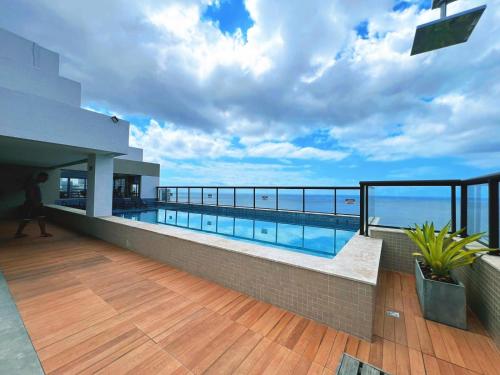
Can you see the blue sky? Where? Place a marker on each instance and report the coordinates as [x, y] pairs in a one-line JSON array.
[[282, 92]]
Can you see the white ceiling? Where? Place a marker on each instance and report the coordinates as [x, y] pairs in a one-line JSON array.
[[39, 154]]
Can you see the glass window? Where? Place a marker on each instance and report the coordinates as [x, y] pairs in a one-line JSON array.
[[63, 187]]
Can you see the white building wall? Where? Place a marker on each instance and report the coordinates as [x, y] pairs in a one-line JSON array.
[[20, 51], [40, 119], [133, 153], [148, 186], [30, 80]]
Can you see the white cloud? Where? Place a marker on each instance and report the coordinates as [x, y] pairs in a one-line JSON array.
[[302, 68], [169, 142]]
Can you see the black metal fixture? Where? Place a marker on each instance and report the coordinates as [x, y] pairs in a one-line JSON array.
[[115, 119], [447, 30]]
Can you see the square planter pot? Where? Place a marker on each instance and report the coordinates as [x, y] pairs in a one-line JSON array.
[[442, 302]]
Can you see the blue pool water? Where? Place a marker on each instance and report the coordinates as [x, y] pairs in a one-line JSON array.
[[323, 241]]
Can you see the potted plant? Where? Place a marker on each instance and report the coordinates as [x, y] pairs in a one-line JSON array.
[[441, 296]]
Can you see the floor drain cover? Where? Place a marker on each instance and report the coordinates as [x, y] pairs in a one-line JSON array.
[[392, 314]]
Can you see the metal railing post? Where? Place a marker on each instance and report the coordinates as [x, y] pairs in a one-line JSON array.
[[463, 208], [176, 196], [453, 209], [277, 204], [254, 198], [202, 193], [217, 197], [335, 201], [189, 195], [493, 213], [234, 197], [367, 218], [303, 200], [362, 209]]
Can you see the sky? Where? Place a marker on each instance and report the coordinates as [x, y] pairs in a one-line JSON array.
[[288, 92]]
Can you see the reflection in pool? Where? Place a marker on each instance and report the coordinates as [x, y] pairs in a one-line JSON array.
[[323, 241]]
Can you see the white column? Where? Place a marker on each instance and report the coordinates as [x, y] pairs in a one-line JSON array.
[[100, 185], [148, 186], [50, 189]]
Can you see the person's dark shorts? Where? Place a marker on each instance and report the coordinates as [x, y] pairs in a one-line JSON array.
[[33, 211]]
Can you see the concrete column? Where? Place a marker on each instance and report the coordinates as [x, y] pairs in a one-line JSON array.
[[100, 185], [148, 186]]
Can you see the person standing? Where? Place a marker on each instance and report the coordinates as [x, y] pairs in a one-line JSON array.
[[33, 206]]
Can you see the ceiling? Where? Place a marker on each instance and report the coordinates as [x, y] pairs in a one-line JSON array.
[[40, 154]]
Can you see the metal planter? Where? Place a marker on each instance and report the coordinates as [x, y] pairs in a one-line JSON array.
[[442, 302]]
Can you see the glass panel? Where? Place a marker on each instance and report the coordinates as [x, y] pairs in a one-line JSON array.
[[78, 187], [348, 202], [63, 187], [171, 195], [319, 200], [290, 199], [134, 190], [195, 196], [226, 197], [244, 197], [182, 195], [477, 210], [210, 196], [405, 206], [265, 198]]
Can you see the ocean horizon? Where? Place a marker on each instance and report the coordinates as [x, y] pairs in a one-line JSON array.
[[397, 211]]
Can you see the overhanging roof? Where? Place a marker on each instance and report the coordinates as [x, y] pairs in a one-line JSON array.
[[25, 152]]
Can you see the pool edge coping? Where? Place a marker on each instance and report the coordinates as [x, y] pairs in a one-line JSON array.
[[359, 259]]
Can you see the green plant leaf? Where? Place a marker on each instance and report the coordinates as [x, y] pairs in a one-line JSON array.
[[441, 252]]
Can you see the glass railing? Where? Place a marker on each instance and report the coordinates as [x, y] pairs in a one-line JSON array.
[[472, 204], [344, 200]]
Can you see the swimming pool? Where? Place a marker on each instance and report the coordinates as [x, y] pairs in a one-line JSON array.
[[293, 233]]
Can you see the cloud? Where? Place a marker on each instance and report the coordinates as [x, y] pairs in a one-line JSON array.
[[169, 142], [240, 173], [301, 69]]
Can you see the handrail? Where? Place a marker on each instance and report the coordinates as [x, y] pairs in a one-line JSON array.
[[262, 187]]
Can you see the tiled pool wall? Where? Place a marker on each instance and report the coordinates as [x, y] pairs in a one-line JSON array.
[[346, 221], [341, 303], [482, 280]]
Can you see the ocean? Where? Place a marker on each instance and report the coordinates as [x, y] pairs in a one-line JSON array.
[[397, 211]]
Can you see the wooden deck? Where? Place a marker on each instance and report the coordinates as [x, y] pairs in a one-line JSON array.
[[91, 307]]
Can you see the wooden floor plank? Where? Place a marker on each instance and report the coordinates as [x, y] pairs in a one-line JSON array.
[[325, 347], [389, 363], [431, 365], [93, 307], [234, 356], [417, 366]]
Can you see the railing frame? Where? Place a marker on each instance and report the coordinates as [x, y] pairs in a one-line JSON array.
[[254, 190], [492, 181]]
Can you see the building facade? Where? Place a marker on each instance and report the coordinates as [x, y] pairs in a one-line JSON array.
[[44, 128]]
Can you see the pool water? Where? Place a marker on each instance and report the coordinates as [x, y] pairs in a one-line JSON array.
[[323, 241]]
